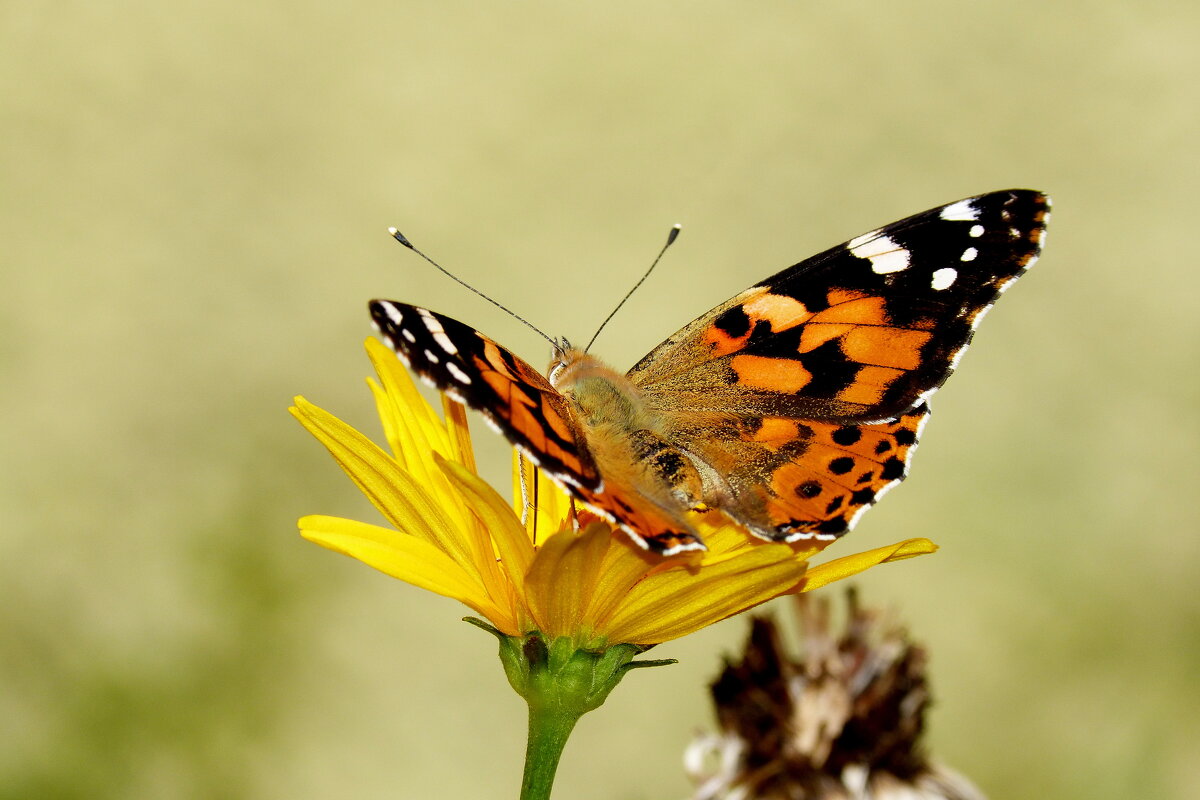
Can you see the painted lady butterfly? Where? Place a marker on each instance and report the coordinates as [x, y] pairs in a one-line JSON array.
[[791, 407]]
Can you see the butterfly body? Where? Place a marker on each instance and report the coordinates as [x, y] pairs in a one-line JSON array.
[[646, 476], [791, 408]]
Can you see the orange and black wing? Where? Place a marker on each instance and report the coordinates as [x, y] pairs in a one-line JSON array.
[[855, 338], [512, 396]]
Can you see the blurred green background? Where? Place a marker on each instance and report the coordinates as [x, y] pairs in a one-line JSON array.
[[193, 203]]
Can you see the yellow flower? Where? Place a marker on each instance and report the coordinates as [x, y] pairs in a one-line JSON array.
[[453, 534]]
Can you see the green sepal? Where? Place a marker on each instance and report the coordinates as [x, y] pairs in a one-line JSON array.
[[560, 683], [556, 674]]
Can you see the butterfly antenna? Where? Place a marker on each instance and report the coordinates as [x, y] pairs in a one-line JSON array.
[[671, 237], [402, 239]]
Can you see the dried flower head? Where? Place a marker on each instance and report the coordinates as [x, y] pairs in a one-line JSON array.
[[843, 721]]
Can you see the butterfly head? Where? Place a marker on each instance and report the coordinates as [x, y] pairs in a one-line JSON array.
[[564, 361]]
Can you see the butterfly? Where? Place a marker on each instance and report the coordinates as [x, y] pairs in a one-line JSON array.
[[791, 408]]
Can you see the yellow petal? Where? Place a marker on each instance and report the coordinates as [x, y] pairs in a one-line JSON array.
[[624, 565], [402, 500], [559, 584], [411, 426], [495, 517], [459, 434], [403, 391], [822, 574], [408, 558], [676, 602]]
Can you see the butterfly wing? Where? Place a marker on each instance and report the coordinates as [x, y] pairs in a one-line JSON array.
[[511, 395], [853, 339]]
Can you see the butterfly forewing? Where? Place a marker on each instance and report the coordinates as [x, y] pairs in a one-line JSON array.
[[861, 331], [512, 395]]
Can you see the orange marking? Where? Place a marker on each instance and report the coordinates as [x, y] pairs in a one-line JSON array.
[[781, 311], [555, 421], [777, 430], [869, 385], [863, 311], [722, 343], [524, 421], [773, 374], [838, 296], [500, 384], [568, 460], [816, 334], [492, 353], [923, 324], [886, 347], [787, 505]]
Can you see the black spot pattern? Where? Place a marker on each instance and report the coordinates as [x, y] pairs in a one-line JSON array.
[[862, 497], [734, 322], [836, 525], [893, 469], [842, 465], [808, 489], [831, 371], [847, 435]]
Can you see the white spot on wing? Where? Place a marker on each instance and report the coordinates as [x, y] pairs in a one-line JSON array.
[[437, 332], [446, 344], [430, 355], [407, 334], [976, 231], [458, 373], [393, 313], [944, 278], [969, 254], [883, 253], [962, 211]]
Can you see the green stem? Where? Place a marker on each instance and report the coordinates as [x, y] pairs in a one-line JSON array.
[[549, 729], [560, 684]]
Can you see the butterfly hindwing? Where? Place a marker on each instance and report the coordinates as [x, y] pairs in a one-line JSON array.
[[512, 395], [804, 479]]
